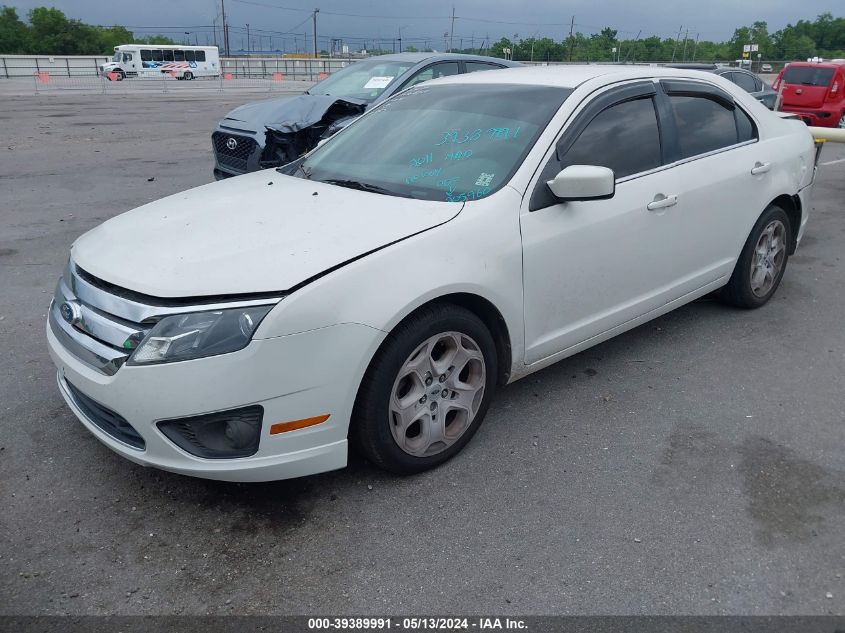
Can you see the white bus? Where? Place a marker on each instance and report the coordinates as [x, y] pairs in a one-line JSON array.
[[153, 60]]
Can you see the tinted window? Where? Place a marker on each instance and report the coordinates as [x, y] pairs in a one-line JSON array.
[[146, 55], [433, 72], [476, 66], [624, 138], [200, 56], [127, 57], [746, 82], [189, 56], [808, 75], [703, 125], [168, 56], [745, 128], [156, 55], [178, 56]]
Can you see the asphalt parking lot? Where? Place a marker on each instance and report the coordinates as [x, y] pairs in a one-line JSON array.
[[691, 466]]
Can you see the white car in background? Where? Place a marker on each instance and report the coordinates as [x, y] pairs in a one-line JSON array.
[[459, 236]]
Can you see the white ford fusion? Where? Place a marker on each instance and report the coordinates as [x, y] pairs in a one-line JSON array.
[[458, 237]]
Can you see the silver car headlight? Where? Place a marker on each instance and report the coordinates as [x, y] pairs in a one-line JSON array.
[[199, 334]]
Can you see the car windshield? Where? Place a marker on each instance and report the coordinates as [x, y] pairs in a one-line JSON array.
[[364, 80], [808, 75], [453, 143], [116, 57]]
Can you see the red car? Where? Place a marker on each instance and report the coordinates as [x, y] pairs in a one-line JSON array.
[[814, 91]]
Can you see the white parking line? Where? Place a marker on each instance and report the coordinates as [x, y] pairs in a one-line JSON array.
[[833, 162]]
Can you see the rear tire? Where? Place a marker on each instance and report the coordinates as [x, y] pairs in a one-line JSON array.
[[426, 391], [188, 76], [762, 263]]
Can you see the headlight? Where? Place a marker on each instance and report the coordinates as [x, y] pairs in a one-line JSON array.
[[199, 334]]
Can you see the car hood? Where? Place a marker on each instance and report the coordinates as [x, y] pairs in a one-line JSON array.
[[261, 232], [285, 114]]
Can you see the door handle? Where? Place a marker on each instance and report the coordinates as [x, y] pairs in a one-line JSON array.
[[661, 202], [760, 168]]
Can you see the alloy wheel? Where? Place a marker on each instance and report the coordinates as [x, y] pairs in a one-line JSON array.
[[768, 259], [437, 394]]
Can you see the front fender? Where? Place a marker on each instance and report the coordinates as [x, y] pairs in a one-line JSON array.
[[479, 252]]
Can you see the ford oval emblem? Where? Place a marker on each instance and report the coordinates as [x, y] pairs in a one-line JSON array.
[[231, 143], [70, 312]]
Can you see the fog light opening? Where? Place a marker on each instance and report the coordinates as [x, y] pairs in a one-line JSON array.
[[221, 435]]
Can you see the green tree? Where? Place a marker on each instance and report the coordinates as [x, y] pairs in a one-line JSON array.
[[14, 34]]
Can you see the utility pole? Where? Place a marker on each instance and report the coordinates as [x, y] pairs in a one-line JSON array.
[[571, 27], [678, 39], [316, 11], [686, 37], [694, 48], [248, 45], [225, 28], [452, 30]]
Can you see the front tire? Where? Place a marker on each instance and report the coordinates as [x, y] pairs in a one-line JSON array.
[[762, 263], [426, 391]]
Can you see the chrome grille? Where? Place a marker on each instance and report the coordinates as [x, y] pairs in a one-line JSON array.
[[97, 327]]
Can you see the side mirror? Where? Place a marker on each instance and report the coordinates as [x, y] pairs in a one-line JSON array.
[[584, 182]]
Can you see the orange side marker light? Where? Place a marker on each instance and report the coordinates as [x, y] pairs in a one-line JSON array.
[[284, 427]]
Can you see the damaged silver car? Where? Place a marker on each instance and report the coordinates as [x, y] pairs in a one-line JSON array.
[[274, 132]]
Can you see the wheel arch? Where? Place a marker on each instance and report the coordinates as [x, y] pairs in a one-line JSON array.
[[792, 206], [489, 314]]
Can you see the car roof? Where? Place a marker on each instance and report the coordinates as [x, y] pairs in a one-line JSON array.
[[566, 76], [435, 57]]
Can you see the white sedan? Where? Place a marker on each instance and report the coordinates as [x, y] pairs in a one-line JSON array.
[[460, 236]]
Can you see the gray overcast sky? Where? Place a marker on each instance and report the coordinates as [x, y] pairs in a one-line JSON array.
[[426, 22]]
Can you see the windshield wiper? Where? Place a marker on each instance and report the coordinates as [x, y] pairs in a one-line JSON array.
[[364, 186]]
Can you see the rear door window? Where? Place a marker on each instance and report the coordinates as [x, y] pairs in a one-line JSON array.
[[746, 82], [200, 55], [704, 125], [808, 75]]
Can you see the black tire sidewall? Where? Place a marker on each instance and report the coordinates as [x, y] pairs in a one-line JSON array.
[[740, 283], [371, 418]]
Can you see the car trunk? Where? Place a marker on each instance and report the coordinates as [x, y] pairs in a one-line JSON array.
[[806, 86]]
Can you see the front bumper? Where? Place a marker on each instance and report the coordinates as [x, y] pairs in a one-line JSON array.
[[292, 377]]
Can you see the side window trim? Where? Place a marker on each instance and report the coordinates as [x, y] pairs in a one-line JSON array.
[[686, 88], [591, 110]]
